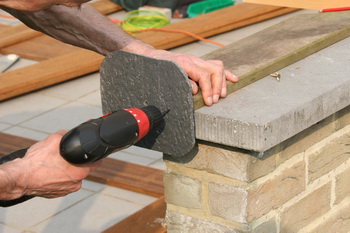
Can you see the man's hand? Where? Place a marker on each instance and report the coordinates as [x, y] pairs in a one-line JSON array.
[[43, 172], [209, 75]]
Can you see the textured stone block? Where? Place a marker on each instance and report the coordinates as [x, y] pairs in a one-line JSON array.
[[266, 112], [183, 191], [231, 162], [306, 210], [179, 223], [329, 156], [228, 202], [274, 192], [342, 186]]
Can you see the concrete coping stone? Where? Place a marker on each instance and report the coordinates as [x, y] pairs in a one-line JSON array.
[[268, 112]]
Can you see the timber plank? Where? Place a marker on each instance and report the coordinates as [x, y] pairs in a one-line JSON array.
[[10, 143], [305, 4], [112, 172], [146, 220], [213, 23], [40, 48], [106, 6], [16, 34], [134, 177], [276, 47], [48, 72]]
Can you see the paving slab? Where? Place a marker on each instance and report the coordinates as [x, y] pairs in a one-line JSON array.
[[267, 112]]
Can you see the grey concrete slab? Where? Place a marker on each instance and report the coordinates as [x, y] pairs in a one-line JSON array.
[[267, 112]]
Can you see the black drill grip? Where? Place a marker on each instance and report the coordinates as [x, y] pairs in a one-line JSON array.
[[7, 158]]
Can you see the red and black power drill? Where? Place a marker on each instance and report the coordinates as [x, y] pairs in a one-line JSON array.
[[97, 138]]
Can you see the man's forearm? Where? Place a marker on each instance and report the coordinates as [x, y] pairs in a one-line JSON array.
[[82, 26], [9, 179]]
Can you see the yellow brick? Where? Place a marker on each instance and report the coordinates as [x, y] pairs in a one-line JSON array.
[[303, 212], [182, 190], [342, 187], [221, 160], [338, 222], [274, 192], [330, 155], [232, 162]]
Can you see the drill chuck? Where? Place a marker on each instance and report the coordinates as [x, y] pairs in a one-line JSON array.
[[97, 138]]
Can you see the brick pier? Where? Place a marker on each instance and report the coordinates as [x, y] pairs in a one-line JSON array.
[[299, 184]]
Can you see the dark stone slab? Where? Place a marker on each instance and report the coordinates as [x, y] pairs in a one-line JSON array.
[[129, 80]]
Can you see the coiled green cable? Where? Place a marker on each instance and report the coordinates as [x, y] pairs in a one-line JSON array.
[[143, 19]]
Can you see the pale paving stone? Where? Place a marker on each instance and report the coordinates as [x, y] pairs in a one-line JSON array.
[[8, 229], [64, 117], [93, 98], [94, 214], [23, 108], [4, 126], [26, 133], [36, 210], [93, 186], [132, 158], [128, 195], [159, 164], [76, 88], [152, 154]]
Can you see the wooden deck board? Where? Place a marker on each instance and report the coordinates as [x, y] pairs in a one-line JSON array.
[[10, 143], [133, 177], [305, 4], [48, 72]]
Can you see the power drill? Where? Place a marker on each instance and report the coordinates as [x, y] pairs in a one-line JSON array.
[[97, 138]]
